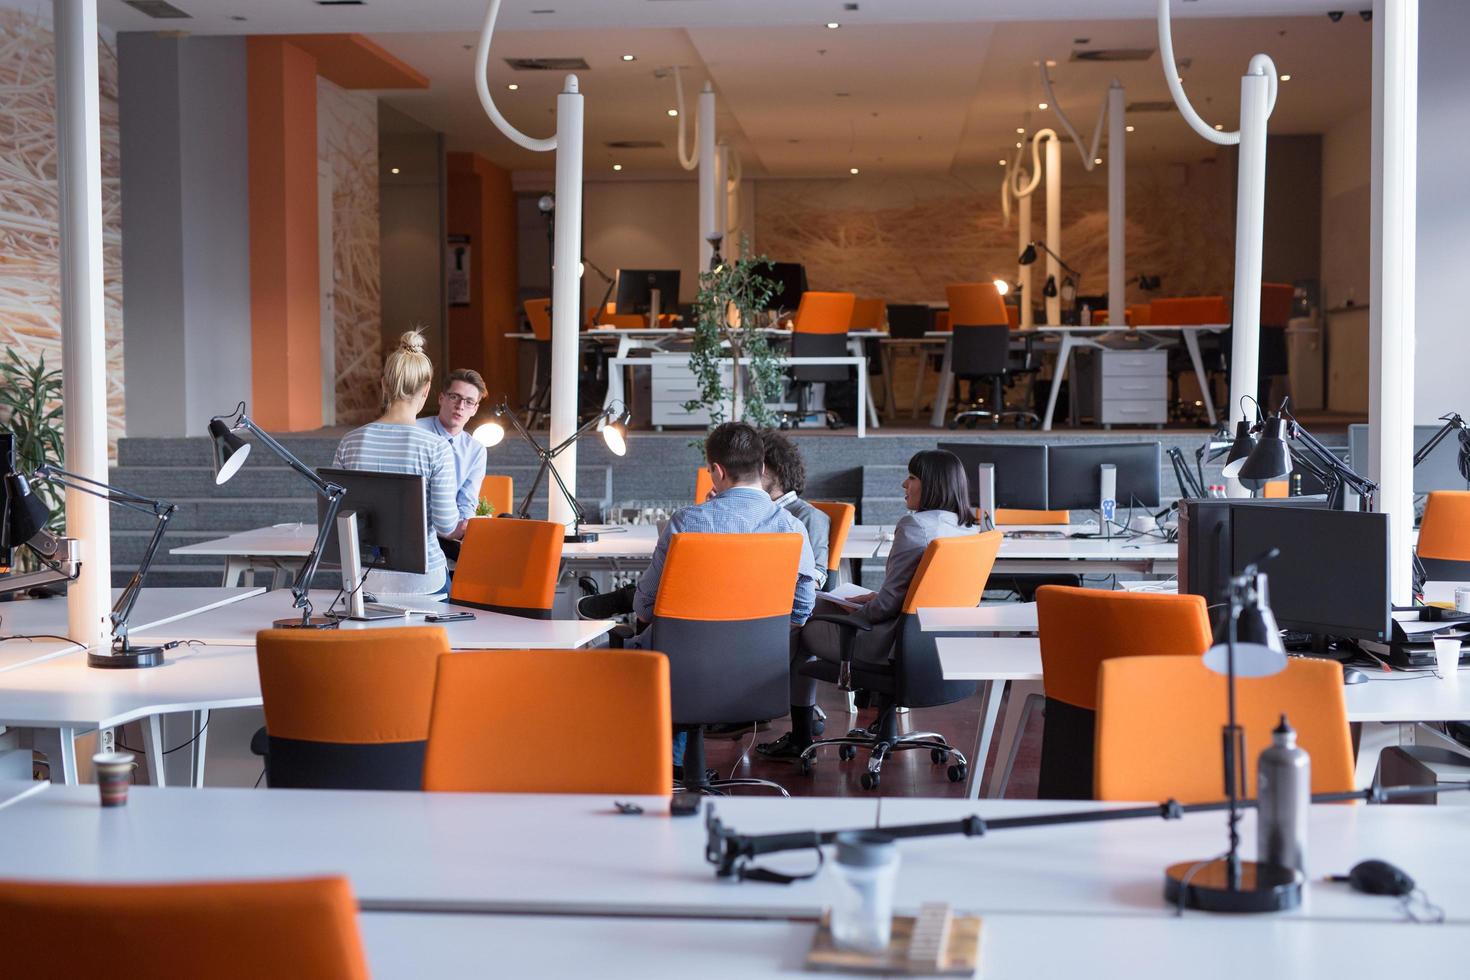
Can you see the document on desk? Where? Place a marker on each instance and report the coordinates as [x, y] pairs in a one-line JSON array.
[[843, 595]]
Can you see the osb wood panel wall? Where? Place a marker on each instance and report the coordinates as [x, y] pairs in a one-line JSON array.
[[30, 242], [347, 139], [905, 238]]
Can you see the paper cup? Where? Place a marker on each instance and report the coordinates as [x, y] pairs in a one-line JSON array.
[[1447, 658], [114, 775]]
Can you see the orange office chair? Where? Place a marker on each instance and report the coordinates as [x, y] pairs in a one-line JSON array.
[[1444, 537], [613, 705], [538, 314], [819, 329], [703, 484], [509, 567], [1025, 584], [729, 649], [842, 517], [499, 492], [347, 709], [304, 928], [868, 314], [1016, 515], [952, 574], [1080, 629], [1137, 315], [1159, 722], [980, 351]]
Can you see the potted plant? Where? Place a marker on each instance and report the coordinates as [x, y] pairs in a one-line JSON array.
[[729, 316], [30, 408]]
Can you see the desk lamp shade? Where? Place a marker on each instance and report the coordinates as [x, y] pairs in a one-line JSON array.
[[612, 434], [1244, 443], [1259, 651], [230, 451], [490, 434], [1028, 256], [25, 513], [1270, 460], [1050, 289]]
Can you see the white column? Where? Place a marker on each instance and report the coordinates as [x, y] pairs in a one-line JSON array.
[[722, 196], [708, 177], [83, 358], [1117, 205], [1391, 313], [1054, 227], [1023, 272], [1250, 218], [566, 298]]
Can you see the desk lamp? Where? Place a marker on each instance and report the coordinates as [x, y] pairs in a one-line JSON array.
[[1247, 644], [230, 453], [610, 421], [26, 516], [597, 311], [1069, 282], [1451, 422], [1272, 459]]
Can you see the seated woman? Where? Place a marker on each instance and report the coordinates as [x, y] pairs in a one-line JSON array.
[[938, 494], [395, 444]]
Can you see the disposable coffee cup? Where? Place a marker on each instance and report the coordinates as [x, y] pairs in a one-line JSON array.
[[1447, 658], [1462, 599], [114, 775]]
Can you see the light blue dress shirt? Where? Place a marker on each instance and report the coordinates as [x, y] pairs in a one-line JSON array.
[[469, 465]]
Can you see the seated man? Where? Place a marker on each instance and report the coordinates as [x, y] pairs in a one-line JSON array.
[[785, 481], [458, 402]]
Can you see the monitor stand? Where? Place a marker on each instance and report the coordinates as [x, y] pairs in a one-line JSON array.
[[654, 299], [352, 571]]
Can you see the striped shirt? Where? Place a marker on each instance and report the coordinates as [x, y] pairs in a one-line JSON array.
[[388, 448]]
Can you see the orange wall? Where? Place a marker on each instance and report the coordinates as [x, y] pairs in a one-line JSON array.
[[482, 205], [285, 300]]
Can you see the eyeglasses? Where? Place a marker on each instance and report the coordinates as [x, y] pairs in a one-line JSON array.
[[461, 399]]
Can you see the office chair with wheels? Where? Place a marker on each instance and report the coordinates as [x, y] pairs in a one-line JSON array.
[[509, 566], [819, 329], [499, 492], [1214, 348], [610, 706], [981, 351], [347, 709], [952, 574]]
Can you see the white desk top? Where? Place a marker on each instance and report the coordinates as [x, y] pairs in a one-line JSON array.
[[1442, 591], [237, 624], [286, 541], [1117, 548], [17, 653], [575, 855], [15, 790], [155, 607], [988, 617], [990, 658]]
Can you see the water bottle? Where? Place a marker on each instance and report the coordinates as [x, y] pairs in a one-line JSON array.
[[1283, 795], [1085, 320]]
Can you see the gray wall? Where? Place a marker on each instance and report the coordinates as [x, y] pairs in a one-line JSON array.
[[186, 233]]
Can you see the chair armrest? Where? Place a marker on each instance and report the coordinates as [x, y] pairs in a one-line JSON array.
[[619, 635], [844, 621], [848, 625]]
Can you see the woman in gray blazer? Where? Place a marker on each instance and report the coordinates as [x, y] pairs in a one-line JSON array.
[[938, 496]]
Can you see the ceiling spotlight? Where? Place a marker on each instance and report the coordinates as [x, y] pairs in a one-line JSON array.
[[1041, 105], [1219, 126], [617, 166], [853, 171], [1001, 162], [1096, 160], [630, 57], [394, 170], [1021, 130], [832, 25], [673, 112], [1018, 144], [1128, 129], [513, 87], [1286, 78]]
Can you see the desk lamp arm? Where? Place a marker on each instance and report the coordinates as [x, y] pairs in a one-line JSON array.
[[1365, 488], [1060, 261], [301, 590], [1451, 422]]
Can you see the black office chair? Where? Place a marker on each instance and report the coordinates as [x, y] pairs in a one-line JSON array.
[[803, 376], [981, 354]]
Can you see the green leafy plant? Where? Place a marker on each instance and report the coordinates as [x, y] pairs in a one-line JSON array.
[[483, 508], [729, 312], [30, 408]]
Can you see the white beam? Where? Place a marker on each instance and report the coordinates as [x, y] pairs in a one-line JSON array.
[[566, 294], [1054, 227], [1250, 223], [1117, 204], [709, 177]]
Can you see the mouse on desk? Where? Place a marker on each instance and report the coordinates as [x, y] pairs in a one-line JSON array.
[[1374, 877], [1351, 675]]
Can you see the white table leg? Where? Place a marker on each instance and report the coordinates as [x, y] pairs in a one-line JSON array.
[[1191, 343], [614, 381], [1023, 699], [1064, 353], [855, 348], [196, 755], [865, 397], [885, 356], [235, 568], [153, 748], [59, 746], [916, 403], [994, 694], [944, 387]]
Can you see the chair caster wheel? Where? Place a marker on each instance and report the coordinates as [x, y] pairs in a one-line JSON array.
[[957, 773], [938, 756], [806, 765], [953, 424], [818, 726], [869, 780], [847, 752]]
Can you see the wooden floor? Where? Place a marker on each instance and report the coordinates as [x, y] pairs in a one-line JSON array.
[[904, 774]]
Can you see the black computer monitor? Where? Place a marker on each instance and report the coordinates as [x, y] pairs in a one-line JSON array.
[[1332, 576], [790, 279], [392, 520], [7, 461], [1020, 472], [909, 321], [636, 286], [1073, 474], [1205, 544]]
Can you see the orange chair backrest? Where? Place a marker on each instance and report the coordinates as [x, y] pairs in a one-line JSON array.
[[613, 705], [1276, 299], [303, 928], [1445, 531], [953, 572], [499, 492], [725, 577], [1188, 310], [703, 484], [942, 321], [842, 517], [975, 304], [1015, 515], [868, 314], [1081, 628], [823, 312], [349, 686], [1276, 489], [509, 566], [538, 311], [1013, 317], [1137, 315], [1159, 721]]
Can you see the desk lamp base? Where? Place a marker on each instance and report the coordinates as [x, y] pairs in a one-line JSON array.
[[1262, 888], [309, 623], [126, 658], [580, 537]]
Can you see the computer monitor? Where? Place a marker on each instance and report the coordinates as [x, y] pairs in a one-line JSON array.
[[1205, 556], [392, 521], [1441, 471], [7, 462], [1332, 576], [790, 279], [909, 321], [636, 286], [1073, 474], [1020, 472]]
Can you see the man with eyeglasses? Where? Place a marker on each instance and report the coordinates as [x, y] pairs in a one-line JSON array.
[[458, 403]]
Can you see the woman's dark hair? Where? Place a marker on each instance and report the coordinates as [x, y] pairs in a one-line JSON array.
[[783, 462], [941, 478]]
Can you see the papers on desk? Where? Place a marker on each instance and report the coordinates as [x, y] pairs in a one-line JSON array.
[[843, 595]]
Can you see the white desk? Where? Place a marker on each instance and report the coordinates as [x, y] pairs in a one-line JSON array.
[[988, 617], [573, 855], [18, 652], [1148, 555], [155, 607], [280, 549], [15, 790]]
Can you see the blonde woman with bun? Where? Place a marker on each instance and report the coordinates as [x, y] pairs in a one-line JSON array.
[[395, 444]]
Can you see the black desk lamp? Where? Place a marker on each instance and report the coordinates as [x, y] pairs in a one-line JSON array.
[[609, 421], [230, 453], [1272, 459], [611, 285], [1451, 422], [1069, 282], [1247, 644], [26, 517]]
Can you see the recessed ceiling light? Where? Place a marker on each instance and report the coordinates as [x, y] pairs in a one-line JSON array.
[[1219, 126], [1286, 78], [1018, 144], [832, 25], [630, 57], [1021, 130], [673, 112], [393, 170], [617, 166], [513, 87], [1096, 160], [1001, 162], [1128, 129], [853, 171], [1041, 105]]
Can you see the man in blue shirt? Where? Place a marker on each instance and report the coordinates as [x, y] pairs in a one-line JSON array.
[[458, 403]]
